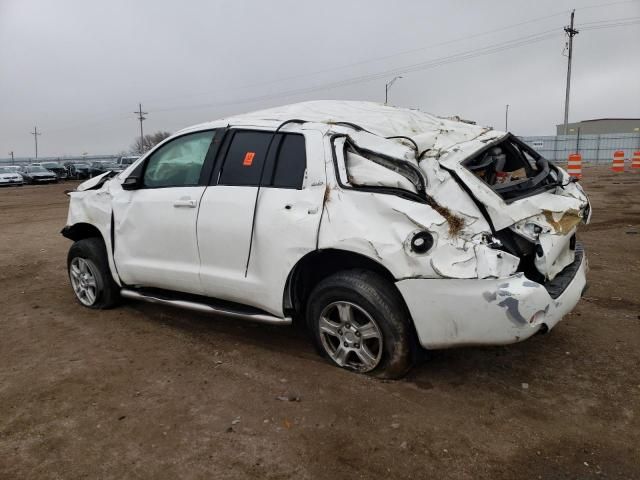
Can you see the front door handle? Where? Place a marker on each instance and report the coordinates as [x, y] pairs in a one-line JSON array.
[[185, 203]]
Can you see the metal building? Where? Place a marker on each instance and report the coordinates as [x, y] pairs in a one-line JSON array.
[[601, 126]]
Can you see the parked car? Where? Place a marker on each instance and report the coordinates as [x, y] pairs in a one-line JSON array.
[[125, 161], [380, 229], [112, 167], [38, 174], [8, 176], [55, 167], [98, 168], [95, 168], [77, 171]]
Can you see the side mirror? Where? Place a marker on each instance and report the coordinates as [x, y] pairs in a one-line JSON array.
[[131, 183]]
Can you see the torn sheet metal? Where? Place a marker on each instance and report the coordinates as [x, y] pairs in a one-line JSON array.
[[555, 253], [381, 226]]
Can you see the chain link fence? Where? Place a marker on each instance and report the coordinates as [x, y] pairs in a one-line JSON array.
[[595, 149]]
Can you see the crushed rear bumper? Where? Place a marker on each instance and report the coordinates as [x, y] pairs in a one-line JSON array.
[[456, 312]]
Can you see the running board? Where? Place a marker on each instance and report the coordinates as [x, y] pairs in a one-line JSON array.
[[254, 316]]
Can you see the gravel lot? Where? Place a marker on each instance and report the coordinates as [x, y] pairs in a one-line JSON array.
[[149, 392]]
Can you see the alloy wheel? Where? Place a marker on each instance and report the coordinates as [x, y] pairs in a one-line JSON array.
[[83, 280], [350, 336]]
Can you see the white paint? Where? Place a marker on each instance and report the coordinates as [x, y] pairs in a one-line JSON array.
[[155, 235], [287, 222], [450, 313], [196, 239]]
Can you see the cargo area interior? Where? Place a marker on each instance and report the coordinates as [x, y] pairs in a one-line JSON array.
[[512, 169]]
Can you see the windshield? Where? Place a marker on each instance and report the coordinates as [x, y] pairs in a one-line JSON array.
[[6, 170], [37, 169], [50, 165]]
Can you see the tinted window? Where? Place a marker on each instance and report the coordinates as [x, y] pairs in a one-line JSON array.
[[292, 162], [179, 162], [245, 157]]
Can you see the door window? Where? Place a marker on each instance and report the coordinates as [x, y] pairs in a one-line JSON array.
[[291, 165], [179, 162], [246, 156]]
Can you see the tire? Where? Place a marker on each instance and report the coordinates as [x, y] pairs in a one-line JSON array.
[[359, 322], [89, 274]]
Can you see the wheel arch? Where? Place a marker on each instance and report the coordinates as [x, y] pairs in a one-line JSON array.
[[81, 230], [319, 264]]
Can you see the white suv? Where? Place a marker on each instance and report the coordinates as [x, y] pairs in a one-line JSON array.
[[381, 229]]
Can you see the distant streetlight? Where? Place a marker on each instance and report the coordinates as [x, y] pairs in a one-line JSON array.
[[388, 86]]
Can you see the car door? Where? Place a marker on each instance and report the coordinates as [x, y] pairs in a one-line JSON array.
[[246, 261], [155, 242]]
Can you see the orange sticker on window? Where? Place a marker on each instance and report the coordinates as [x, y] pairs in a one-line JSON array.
[[248, 159]]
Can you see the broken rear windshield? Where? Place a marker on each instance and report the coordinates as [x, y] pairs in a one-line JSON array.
[[512, 169]]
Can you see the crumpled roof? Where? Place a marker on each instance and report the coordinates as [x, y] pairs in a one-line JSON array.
[[428, 131]]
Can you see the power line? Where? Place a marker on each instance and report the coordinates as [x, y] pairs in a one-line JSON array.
[[474, 53], [611, 25], [609, 20], [365, 78], [600, 5], [413, 50], [394, 55]]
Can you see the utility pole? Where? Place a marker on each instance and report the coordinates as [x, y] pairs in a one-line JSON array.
[[141, 117], [35, 134], [506, 118], [11, 153], [571, 32], [387, 87]]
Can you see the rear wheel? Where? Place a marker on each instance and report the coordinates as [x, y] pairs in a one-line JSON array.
[[359, 322], [90, 276]]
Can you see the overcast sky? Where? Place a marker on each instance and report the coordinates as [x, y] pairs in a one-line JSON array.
[[78, 68]]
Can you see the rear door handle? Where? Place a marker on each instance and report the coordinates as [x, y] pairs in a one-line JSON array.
[[185, 203]]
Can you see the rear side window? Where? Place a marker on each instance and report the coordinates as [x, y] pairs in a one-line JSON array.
[[291, 164], [246, 155]]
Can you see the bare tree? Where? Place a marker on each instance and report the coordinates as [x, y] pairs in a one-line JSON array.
[[150, 140]]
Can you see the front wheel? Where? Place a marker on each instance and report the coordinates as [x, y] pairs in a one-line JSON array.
[[90, 276], [359, 322]]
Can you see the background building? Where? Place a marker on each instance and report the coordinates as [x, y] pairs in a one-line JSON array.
[[599, 126]]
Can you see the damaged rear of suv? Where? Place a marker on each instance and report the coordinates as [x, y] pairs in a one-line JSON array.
[[381, 229]]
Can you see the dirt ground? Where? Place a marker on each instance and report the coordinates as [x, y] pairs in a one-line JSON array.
[[148, 392]]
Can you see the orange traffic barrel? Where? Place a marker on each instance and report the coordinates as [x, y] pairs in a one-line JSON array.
[[574, 165], [635, 163], [618, 162]]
